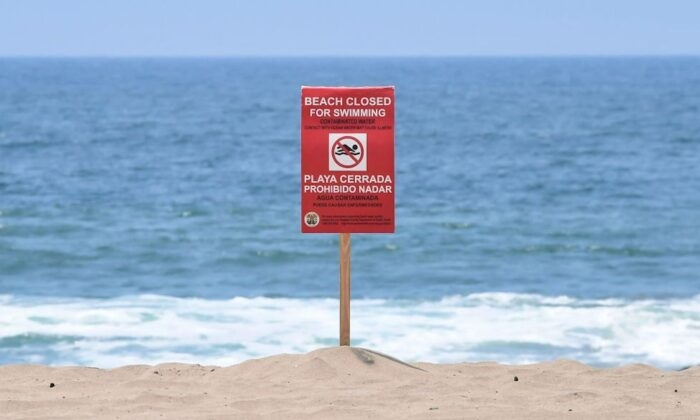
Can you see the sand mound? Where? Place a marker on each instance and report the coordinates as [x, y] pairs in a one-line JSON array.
[[345, 364], [348, 383]]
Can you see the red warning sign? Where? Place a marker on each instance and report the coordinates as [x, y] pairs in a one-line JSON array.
[[347, 160]]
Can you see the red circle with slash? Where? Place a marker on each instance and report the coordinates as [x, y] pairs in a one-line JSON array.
[[355, 159]]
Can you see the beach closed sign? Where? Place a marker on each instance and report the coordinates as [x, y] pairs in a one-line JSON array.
[[347, 159]]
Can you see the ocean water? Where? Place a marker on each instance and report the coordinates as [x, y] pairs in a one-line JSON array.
[[546, 208]]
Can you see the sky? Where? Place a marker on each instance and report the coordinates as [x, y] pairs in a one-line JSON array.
[[348, 28]]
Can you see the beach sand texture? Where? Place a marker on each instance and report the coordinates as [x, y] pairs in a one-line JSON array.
[[348, 383]]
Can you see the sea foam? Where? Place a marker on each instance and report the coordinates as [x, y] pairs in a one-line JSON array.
[[502, 327]]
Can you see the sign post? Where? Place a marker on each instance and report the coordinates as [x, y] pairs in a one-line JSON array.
[[344, 289], [347, 169]]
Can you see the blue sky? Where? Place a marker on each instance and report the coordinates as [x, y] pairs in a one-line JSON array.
[[357, 27]]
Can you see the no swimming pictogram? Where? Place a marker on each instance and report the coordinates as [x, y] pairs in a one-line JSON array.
[[347, 152]]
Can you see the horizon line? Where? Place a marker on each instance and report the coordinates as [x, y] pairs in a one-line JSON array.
[[341, 56]]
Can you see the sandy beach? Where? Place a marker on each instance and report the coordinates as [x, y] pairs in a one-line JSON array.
[[348, 383]]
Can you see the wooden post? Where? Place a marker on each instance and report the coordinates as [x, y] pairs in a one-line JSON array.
[[344, 289]]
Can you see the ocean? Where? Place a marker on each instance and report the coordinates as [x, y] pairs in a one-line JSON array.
[[545, 208]]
